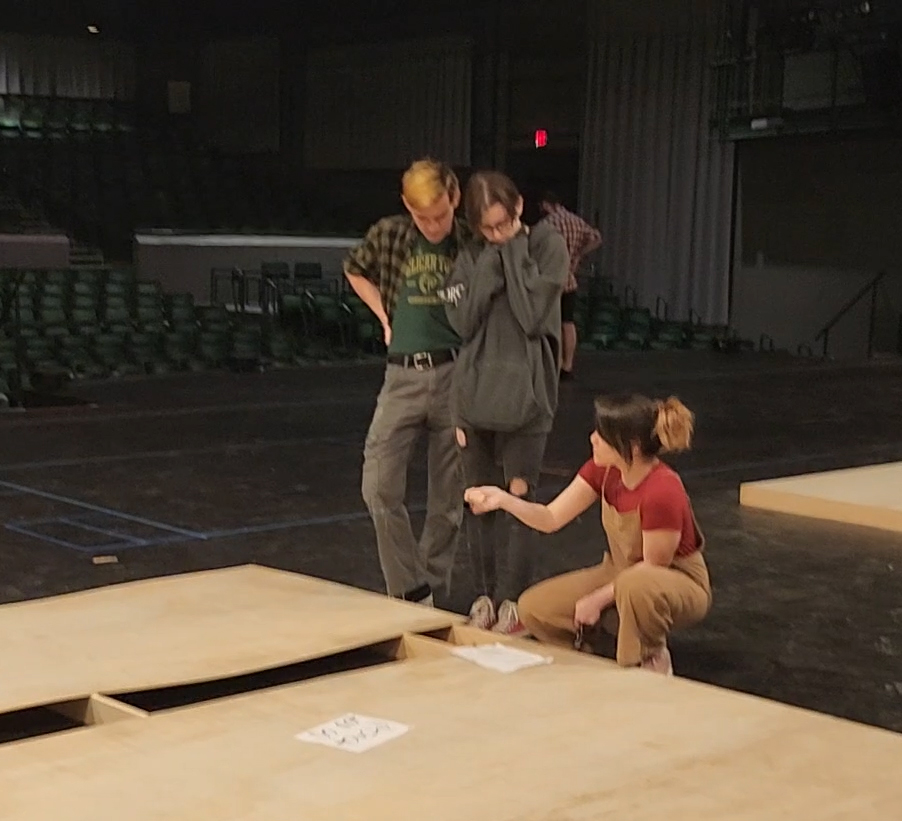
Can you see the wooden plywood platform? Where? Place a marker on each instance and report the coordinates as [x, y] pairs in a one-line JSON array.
[[578, 739], [188, 628], [869, 496]]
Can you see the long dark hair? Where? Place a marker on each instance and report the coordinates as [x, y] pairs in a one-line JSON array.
[[485, 189]]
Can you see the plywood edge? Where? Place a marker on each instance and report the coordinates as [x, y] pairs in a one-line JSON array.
[[97, 710], [390, 645], [465, 635], [434, 616], [798, 504], [386, 643], [105, 588], [441, 644], [840, 473], [416, 646], [394, 648]]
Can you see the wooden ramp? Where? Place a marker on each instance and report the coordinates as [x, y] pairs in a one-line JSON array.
[[575, 740], [188, 628], [869, 496]]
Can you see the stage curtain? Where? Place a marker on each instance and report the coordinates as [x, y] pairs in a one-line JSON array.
[[381, 106], [66, 67], [654, 173]]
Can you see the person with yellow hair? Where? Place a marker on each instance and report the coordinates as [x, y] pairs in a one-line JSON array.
[[653, 577], [397, 270]]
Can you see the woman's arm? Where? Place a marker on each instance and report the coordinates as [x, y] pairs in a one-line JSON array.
[[661, 512], [574, 500], [660, 546]]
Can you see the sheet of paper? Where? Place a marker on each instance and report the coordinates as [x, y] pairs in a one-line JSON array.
[[500, 657], [354, 733]]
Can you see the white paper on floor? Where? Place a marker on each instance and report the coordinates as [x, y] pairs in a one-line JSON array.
[[354, 733], [500, 657]]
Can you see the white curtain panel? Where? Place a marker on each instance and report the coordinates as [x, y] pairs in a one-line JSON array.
[[653, 171], [66, 67]]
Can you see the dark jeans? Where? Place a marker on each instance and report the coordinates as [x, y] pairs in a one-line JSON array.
[[501, 548]]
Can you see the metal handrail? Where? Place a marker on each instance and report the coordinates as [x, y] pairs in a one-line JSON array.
[[871, 288]]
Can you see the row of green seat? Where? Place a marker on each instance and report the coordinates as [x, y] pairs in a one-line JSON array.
[[59, 304], [605, 321], [54, 116], [97, 323], [66, 277], [130, 353]]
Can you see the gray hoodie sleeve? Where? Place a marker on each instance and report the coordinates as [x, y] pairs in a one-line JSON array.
[[473, 284], [535, 278]]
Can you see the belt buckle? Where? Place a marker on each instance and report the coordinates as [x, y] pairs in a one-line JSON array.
[[420, 358]]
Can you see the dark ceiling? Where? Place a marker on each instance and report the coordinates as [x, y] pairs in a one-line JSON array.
[[142, 20], [877, 12], [150, 19]]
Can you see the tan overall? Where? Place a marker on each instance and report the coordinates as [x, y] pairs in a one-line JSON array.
[[649, 601]]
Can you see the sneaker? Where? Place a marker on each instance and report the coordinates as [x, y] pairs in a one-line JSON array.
[[509, 620], [482, 613], [660, 662]]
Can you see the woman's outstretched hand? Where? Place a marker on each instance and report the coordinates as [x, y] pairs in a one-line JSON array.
[[484, 499]]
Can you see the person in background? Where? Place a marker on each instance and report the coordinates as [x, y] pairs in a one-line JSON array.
[[503, 298], [581, 239], [653, 578], [397, 270]]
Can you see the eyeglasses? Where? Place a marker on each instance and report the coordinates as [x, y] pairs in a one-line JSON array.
[[502, 227]]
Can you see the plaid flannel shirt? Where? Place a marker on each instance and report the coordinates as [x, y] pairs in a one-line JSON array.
[[576, 231], [384, 251]]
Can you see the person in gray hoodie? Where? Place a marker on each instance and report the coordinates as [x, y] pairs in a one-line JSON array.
[[503, 299]]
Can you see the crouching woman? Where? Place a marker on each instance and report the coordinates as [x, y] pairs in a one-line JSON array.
[[653, 578]]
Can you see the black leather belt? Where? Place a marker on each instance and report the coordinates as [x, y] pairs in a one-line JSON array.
[[423, 360]]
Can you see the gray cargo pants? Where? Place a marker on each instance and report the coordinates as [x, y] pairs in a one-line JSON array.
[[412, 402]]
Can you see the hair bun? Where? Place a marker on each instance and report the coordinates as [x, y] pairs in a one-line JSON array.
[[675, 425]]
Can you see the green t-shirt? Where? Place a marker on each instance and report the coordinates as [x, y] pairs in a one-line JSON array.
[[419, 322]]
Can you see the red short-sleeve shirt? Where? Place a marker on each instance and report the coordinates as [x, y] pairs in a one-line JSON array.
[[660, 497]]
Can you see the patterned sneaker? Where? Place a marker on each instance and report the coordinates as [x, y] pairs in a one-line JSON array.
[[509, 620], [660, 662], [482, 613]]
